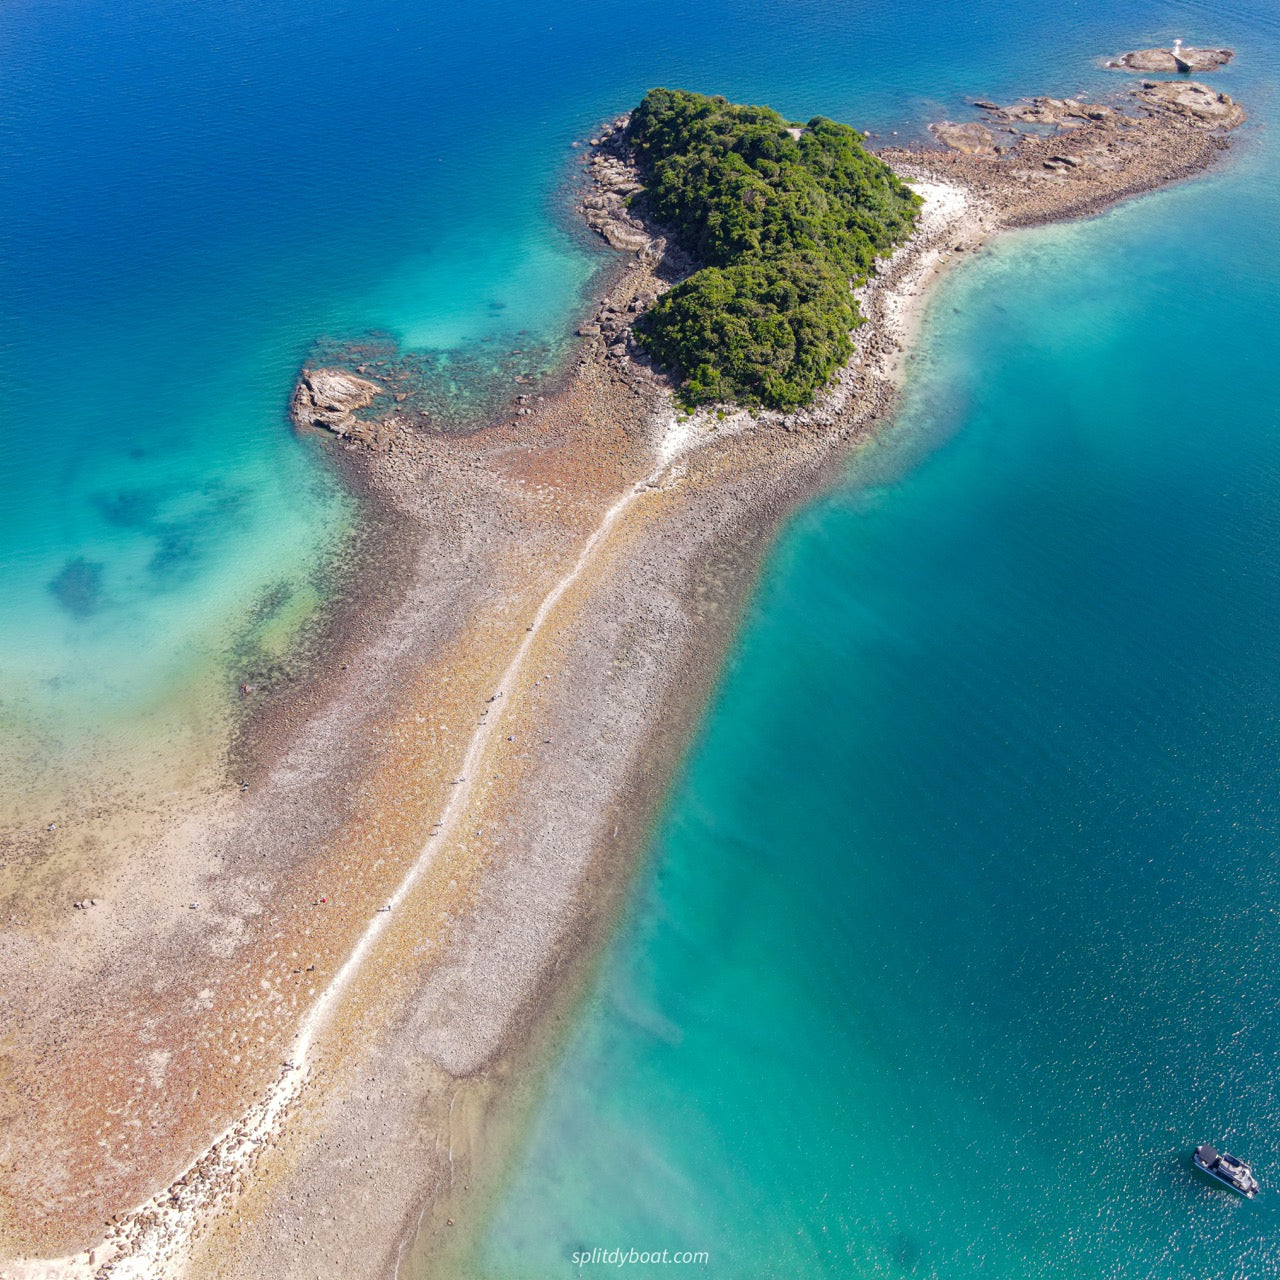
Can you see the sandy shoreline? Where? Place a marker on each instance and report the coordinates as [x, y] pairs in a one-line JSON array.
[[486, 760]]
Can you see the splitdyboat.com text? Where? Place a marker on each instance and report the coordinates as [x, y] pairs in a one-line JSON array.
[[599, 1257]]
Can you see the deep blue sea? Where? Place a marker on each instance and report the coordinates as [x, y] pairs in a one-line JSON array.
[[960, 927]]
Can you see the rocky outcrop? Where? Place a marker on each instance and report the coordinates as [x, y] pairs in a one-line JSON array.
[[330, 399], [1068, 112], [614, 182], [1106, 126], [1197, 101], [1173, 60], [1073, 158], [970, 138], [623, 235]]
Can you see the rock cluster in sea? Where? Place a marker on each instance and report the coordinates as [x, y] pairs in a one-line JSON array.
[[1173, 60], [1078, 157], [1202, 105], [973, 138], [416, 390], [331, 398]]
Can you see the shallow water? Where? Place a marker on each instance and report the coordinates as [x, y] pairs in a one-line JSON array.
[[193, 197]]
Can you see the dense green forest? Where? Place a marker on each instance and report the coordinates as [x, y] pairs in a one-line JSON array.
[[782, 227]]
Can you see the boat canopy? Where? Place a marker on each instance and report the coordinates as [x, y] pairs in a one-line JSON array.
[[1207, 1155]]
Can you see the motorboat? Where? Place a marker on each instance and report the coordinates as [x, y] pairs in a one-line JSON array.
[[1226, 1169]]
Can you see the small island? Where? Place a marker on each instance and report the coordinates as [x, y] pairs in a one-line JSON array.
[[754, 237], [1177, 59], [783, 220]]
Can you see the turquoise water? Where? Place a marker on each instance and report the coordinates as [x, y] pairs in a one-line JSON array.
[[192, 197], [959, 931]]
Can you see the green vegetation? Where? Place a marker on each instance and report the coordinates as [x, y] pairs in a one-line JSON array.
[[784, 227]]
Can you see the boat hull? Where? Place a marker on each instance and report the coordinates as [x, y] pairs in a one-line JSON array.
[[1222, 1181]]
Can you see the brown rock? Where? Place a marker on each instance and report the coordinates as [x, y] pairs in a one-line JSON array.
[[329, 398], [970, 138], [623, 235], [1047, 110], [1166, 60], [1191, 98]]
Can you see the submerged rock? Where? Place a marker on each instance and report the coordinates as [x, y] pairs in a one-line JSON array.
[[78, 588]]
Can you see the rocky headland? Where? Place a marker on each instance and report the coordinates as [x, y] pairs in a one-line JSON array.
[[1077, 157]]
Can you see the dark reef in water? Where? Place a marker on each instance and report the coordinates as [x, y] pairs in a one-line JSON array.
[[128, 508], [78, 588], [180, 539], [175, 556]]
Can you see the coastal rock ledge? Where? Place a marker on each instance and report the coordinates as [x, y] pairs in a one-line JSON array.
[[1197, 101], [330, 399], [613, 183]]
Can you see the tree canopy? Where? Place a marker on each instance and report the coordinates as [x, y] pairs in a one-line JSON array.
[[783, 225]]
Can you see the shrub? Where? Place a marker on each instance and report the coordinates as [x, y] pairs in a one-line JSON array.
[[785, 227]]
